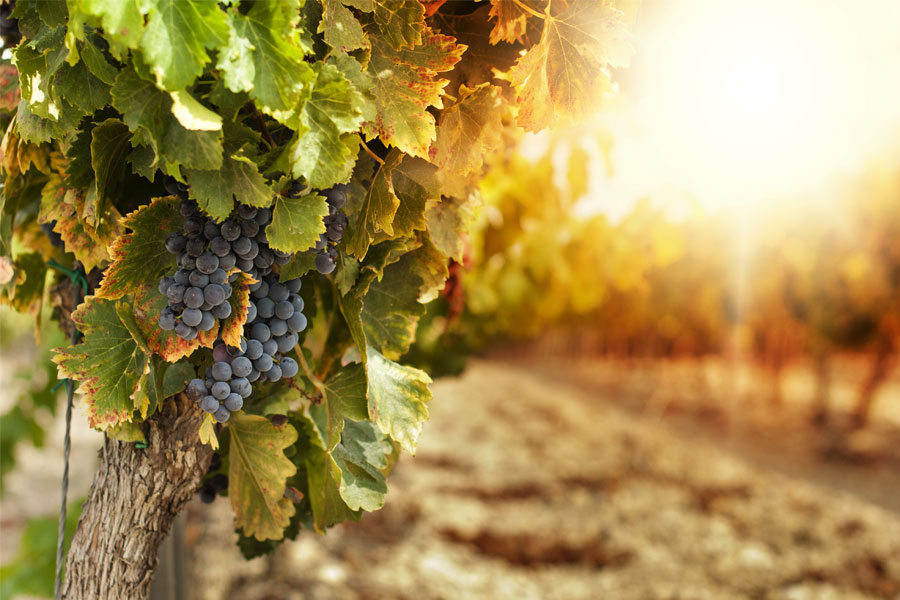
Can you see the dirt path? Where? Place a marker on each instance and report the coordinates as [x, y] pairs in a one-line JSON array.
[[528, 487]]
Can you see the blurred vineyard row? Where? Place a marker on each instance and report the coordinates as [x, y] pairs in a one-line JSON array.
[[757, 285]]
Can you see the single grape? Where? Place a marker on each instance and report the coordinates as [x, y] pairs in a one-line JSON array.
[[214, 294], [195, 246], [246, 211], [293, 285], [207, 495], [253, 251], [207, 322], [167, 319], [337, 195], [198, 279], [333, 234], [164, 284], [234, 402], [228, 261], [222, 311], [263, 215], [191, 317], [193, 297], [324, 264], [254, 349], [227, 288], [190, 335], [220, 246], [297, 302], [263, 363], [219, 276], [249, 228], [321, 242], [206, 306], [176, 243], [265, 308], [284, 310], [253, 376], [241, 245], [186, 207], [221, 415], [209, 404], [196, 389], [207, 262], [289, 367], [175, 293], [182, 276], [187, 262], [260, 331], [240, 385], [244, 264], [210, 230], [220, 389], [221, 371], [262, 291], [282, 260], [270, 347], [209, 381], [241, 366], [274, 374], [218, 482], [251, 312], [176, 307], [230, 230], [220, 354], [278, 292], [286, 342], [277, 327], [297, 322]]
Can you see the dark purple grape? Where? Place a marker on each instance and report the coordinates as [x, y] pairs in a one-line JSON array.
[[234, 402], [207, 495], [284, 310], [263, 363], [207, 322], [220, 390], [209, 404], [221, 371], [220, 246], [254, 375], [277, 327], [196, 389], [263, 216], [193, 298], [270, 347], [187, 207], [214, 294], [297, 322], [241, 386], [183, 276], [265, 308], [324, 264], [176, 243], [260, 331], [221, 415], [230, 230], [286, 342], [187, 262], [249, 228], [297, 302], [219, 276], [244, 264], [289, 367], [241, 246], [175, 293], [274, 374], [246, 211], [164, 284], [264, 259], [195, 246], [282, 260], [222, 311], [241, 366], [185, 331], [191, 317], [254, 349], [198, 279], [293, 285], [167, 319], [278, 292], [220, 354], [251, 312], [207, 263], [262, 291], [227, 262], [210, 230]]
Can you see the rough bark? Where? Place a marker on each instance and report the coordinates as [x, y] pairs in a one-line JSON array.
[[134, 499]]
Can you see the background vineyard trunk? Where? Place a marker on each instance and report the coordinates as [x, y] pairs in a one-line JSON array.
[[134, 499]]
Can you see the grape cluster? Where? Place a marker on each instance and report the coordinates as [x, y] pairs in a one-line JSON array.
[[274, 319], [335, 224], [206, 252]]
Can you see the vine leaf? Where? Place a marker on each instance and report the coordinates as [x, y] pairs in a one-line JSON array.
[[341, 29], [121, 19], [512, 21], [401, 21], [469, 130], [344, 397], [141, 256], [109, 148], [415, 182], [324, 485], [390, 309], [445, 219], [66, 207], [176, 37], [397, 398], [26, 287], [297, 222], [377, 209], [257, 475], [148, 304], [146, 108], [325, 152], [237, 179], [207, 432], [363, 452], [405, 85], [263, 55], [565, 72], [108, 363]]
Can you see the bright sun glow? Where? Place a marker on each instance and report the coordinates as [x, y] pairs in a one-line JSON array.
[[746, 99]]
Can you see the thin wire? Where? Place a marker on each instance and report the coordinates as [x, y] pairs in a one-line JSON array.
[[67, 447]]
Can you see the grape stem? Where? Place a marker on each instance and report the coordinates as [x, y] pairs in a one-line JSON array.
[[369, 151], [530, 10], [309, 374]]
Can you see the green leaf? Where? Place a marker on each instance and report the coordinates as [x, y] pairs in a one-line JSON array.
[[122, 20], [141, 256], [415, 182], [405, 85], [126, 432], [97, 64], [446, 221], [297, 222], [363, 451], [143, 106], [193, 115], [263, 55], [81, 88], [341, 29], [257, 475], [344, 397], [108, 363], [397, 397], [469, 131], [238, 179], [390, 309], [25, 290], [176, 378], [324, 482], [401, 21], [110, 146], [323, 154], [176, 37], [301, 263], [376, 213], [566, 72]]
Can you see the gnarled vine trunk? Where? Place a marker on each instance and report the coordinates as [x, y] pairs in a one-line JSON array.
[[134, 499]]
